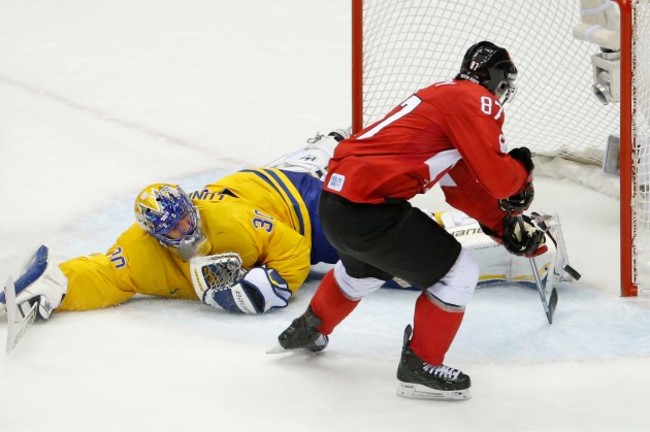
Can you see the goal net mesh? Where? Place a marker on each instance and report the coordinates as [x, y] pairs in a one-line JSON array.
[[410, 44]]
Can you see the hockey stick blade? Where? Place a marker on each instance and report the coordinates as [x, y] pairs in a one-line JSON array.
[[572, 272], [15, 328], [552, 303], [548, 304]]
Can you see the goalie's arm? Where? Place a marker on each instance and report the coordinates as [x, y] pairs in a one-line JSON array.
[[259, 240], [92, 284], [277, 259], [135, 264]]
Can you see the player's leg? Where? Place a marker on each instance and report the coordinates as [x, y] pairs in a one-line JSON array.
[[426, 255], [404, 242], [438, 315], [352, 278], [41, 285], [336, 297]]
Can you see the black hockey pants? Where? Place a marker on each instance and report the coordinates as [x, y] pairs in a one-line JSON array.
[[387, 240]]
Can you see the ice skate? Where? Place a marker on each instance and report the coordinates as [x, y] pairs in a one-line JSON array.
[[420, 380], [302, 333], [319, 344]]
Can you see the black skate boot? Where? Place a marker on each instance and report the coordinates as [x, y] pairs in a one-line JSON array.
[[302, 333], [420, 380]]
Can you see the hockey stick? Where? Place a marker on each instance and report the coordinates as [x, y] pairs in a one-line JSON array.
[[549, 303], [15, 328], [540, 220]]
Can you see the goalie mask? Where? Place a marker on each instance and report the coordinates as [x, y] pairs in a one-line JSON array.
[[490, 66], [166, 212]]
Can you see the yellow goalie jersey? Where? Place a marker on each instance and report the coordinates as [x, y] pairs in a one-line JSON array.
[[269, 190], [259, 214]]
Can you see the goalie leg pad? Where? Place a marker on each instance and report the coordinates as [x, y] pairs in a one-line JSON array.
[[42, 284]]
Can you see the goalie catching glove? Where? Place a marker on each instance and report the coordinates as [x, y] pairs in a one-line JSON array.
[[220, 281]]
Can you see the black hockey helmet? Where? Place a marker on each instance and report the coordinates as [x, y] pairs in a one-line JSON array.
[[490, 66]]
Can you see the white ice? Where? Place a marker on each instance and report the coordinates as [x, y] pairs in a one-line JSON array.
[[98, 99]]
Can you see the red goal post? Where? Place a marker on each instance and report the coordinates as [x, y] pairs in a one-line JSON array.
[[399, 46]]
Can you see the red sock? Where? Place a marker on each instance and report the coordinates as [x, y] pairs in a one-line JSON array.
[[330, 304], [434, 330]]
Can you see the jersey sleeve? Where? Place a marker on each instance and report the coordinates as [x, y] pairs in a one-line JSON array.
[[135, 264], [464, 193], [474, 127], [92, 284]]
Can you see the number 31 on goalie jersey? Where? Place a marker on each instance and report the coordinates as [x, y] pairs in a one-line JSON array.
[[263, 221]]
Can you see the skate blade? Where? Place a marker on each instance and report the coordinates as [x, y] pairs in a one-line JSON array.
[[417, 391], [278, 349]]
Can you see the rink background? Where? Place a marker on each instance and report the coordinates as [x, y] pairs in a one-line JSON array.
[[97, 100]]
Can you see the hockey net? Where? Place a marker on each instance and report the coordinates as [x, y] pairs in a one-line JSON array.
[[400, 46]]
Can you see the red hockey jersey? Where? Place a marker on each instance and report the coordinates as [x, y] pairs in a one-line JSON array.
[[449, 132]]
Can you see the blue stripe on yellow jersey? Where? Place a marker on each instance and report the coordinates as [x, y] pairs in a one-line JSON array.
[[279, 182], [274, 195], [288, 196]]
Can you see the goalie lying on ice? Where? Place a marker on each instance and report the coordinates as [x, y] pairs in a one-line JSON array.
[[244, 244]]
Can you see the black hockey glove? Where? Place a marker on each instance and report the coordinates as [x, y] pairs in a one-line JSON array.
[[519, 202], [522, 237], [522, 154]]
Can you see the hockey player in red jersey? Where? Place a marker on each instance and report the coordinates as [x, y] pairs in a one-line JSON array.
[[448, 133]]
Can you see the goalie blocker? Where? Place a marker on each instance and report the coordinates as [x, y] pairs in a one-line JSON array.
[[220, 281]]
